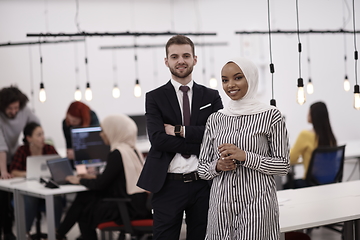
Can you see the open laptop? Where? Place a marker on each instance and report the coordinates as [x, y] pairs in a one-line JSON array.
[[60, 168], [36, 166]]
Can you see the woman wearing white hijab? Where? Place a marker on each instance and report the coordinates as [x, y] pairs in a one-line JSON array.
[[118, 179], [244, 146]]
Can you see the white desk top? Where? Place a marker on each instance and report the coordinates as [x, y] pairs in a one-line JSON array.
[[35, 187], [318, 206], [352, 149]]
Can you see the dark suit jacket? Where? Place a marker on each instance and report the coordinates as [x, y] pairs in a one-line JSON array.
[[162, 107]]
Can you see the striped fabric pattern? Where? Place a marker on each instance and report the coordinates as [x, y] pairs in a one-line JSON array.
[[243, 202]]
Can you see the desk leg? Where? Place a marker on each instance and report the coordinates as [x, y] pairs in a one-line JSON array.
[[357, 229], [19, 209], [50, 216], [282, 236], [348, 230]]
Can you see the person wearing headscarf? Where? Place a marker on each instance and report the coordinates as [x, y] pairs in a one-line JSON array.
[[118, 180], [77, 115], [244, 146]]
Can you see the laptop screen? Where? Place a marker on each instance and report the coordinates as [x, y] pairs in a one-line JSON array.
[[60, 168], [89, 148]]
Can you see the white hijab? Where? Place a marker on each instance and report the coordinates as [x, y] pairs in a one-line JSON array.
[[247, 105], [121, 132]]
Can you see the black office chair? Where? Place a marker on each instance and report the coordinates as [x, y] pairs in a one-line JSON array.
[[325, 167]]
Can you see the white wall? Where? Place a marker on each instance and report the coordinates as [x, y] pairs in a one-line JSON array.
[[20, 64]]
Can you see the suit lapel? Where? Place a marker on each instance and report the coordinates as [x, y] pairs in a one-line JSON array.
[[196, 102], [171, 95]]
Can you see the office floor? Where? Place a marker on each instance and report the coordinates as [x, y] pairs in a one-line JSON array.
[[351, 172]]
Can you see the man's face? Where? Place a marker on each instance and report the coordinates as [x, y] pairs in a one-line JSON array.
[[12, 109], [180, 61]]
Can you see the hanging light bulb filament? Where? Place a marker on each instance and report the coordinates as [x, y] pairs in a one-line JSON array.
[[42, 93], [300, 93], [137, 89], [88, 92]]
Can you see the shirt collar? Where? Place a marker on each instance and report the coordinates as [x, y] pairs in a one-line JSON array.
[[177, 85]]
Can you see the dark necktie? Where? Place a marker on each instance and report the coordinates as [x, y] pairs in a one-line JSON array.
[[186, 110]]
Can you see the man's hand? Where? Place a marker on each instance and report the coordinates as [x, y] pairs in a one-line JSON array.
[[169, 129], [5, 175]]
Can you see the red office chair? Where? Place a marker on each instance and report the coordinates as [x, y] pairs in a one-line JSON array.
[[135, 228]]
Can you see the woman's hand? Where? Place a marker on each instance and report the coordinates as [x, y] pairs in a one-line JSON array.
[[87, 176], [225, 165], [73, 179], [230, 151]]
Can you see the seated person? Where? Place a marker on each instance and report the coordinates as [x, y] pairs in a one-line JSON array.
[[77, 115], [320, 136], [34, 145], [118, 180]]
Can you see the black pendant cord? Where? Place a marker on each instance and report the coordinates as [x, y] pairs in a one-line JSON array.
[[298, 36], [355, 52], [272, 67], [31, 81]]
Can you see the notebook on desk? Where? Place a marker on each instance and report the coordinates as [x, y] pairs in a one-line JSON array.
[[60, 168], [36, 166]]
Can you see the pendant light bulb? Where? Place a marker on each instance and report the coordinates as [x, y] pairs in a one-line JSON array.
[[77, 94], [346, 84], [356, 97], [213, 82], [88, 92], [137, 89], [310, 87], [300, 93], [42, 93], [116, 91]]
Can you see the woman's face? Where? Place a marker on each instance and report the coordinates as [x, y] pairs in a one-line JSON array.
[[74, 121], [37, 138], [234, 82], [104, 138]]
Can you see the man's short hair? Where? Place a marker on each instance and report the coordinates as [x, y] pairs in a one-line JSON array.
[[179, 40], [10, 95]]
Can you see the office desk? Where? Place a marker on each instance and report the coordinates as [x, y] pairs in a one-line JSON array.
[[352, 149], [321, 205], [35, 189]]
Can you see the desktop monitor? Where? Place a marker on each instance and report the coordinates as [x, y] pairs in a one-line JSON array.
[[140, 121], [88, 146]]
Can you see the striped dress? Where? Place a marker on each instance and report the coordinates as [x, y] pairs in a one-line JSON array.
[[243, 203]]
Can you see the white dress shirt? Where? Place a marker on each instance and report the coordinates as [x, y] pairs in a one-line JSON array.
[[179, 164]]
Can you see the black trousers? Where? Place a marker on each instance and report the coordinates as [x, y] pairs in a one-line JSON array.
[[78, 213], [6, 213], [170, 203]]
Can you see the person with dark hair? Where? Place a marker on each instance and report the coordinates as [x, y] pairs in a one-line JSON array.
[[14, 115], [320, 136], [176, 114], [118, 180], [34, 145], [77, 115], [245, 146]]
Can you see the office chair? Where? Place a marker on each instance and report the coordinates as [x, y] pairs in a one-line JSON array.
[[136, 227], [325, 167]]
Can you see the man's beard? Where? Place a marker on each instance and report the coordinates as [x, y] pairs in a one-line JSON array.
[[182, 75], [12, 116]]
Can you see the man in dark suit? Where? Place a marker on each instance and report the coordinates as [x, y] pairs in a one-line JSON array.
[[176, 115]]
